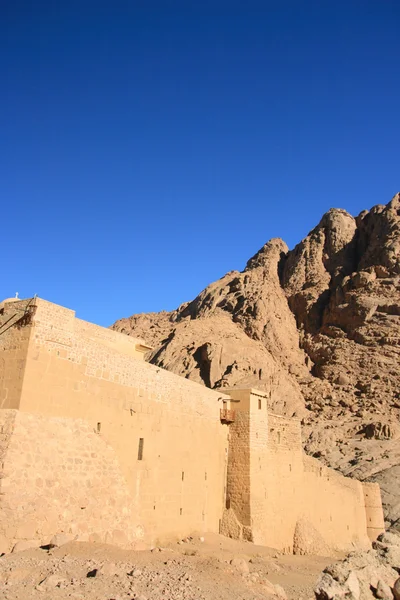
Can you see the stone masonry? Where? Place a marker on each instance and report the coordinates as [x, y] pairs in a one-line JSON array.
[[99, 444]]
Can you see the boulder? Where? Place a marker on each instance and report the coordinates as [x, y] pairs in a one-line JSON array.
[[52, 581], [329, 589], [25, 545], [307, 540], [60, 539], [383, 591], [280, 592], [241, 565], [396, 589]]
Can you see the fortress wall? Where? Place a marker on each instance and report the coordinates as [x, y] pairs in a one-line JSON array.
[[258, 465], [13, 348], [59, 476], [238, 471], [177, 483], [238, 476], [334, 505], [280, 482], [161, 465], [236, 518], [121, 342], [281, 489], [373, 509], [264, 472]]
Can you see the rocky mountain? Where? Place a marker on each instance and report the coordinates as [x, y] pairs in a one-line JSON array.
[[318, 328]]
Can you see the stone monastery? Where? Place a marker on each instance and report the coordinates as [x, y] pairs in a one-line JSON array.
[[97, 443]]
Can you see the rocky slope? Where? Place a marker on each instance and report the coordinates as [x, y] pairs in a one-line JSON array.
[[318, 328], [364, 575]]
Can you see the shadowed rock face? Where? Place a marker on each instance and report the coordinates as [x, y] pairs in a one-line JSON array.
[[318, 328]]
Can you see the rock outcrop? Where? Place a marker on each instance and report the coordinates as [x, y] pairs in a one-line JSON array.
[[364, 575], [343, 285], [238, 331], [318, 327]]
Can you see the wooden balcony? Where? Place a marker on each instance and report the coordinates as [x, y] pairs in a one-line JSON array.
[[227, 415]]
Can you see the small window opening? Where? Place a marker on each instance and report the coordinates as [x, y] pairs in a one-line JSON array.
[[259, 404], [290, 467], [140, 449], [228, 503], [98, 427], [183, 475], [180, 511]]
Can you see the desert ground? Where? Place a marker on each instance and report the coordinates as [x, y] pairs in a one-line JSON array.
[[199, 568]]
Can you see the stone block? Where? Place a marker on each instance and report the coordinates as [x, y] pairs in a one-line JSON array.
[[25, 545]]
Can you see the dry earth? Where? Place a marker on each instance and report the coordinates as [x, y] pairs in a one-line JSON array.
[[319, 327], [214, 569]]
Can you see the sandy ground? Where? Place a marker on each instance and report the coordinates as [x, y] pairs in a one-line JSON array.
[[190, 570]]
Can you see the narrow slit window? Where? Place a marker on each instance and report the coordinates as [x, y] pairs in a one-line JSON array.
[[98, 427], [140, 449], [259, 404], [183, 475]]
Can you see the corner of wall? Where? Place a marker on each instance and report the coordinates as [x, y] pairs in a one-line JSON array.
[[373, 509], [16, 321]]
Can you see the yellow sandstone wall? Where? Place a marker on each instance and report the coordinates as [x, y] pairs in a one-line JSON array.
[[58, 475], [238, 515], [334, 505], [274, 491], [14, 340], [374, 511], [105, 446], [282, 481], [77, 370]]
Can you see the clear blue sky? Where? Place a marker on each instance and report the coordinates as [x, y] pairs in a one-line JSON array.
[[148, 147]]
